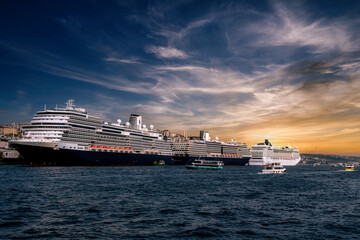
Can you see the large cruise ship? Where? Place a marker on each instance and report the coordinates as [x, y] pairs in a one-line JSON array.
[[231, 153], [70, 136], [265, 153]]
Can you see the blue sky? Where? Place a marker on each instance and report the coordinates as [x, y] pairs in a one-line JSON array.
[[288, 70]]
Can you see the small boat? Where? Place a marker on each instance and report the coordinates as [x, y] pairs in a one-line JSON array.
[[273, 168], [349, 167], [159, 163], [206, 164]]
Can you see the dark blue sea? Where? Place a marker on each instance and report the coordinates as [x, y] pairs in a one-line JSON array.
[[173, 202]]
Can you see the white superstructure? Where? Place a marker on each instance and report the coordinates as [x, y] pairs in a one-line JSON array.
[[265, 153]]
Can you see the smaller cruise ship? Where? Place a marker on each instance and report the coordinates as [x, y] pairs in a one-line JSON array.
[[265, 153], [273, 168], [206, 164]]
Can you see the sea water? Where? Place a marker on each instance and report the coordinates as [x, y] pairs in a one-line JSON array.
[[173, 202]]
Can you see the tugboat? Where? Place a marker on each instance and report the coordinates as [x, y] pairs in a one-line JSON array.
[[206, 164], [349, 167], [273, 168]]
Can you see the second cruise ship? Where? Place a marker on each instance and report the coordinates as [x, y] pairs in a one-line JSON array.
[[265, 153], [230, 153]]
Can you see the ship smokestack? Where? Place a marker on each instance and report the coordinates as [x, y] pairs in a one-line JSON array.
[[135, 121], [267, 142], [204, 135]]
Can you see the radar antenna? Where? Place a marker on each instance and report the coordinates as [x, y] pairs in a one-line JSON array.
[[70, 104]]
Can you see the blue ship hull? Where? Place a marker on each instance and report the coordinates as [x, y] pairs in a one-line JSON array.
[[34, 155]]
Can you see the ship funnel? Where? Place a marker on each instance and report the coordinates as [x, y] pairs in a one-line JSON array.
[[267, 142], [135, 121], [204, 135]]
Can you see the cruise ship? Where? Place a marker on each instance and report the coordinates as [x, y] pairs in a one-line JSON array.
[[230, 153], [71, 136], [265, 153]]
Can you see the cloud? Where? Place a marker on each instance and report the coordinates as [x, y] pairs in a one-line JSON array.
[[203, 79], [160, 23], [176, 36], [292, 26], [20, 93], [47, 62], [166, 52], [106, 80], [61, 20], [117, 60]]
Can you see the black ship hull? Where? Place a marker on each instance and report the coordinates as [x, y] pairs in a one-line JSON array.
[[35, 155]]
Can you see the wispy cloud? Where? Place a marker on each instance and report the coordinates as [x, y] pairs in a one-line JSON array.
[[44, 61], [166, 52], [117, 60], [290, 26], [106, 80], [176, 36]]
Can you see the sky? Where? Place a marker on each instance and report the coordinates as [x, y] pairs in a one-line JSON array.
[[245, 70]]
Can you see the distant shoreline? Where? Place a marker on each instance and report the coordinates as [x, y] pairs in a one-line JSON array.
[[324, 159]]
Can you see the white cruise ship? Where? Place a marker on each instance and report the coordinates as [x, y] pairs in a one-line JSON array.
[[265, 153], [70, 136]]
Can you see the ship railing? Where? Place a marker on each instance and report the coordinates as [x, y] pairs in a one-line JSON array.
[[150, 152], [111, 148], [36, 139], [230, 155]]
